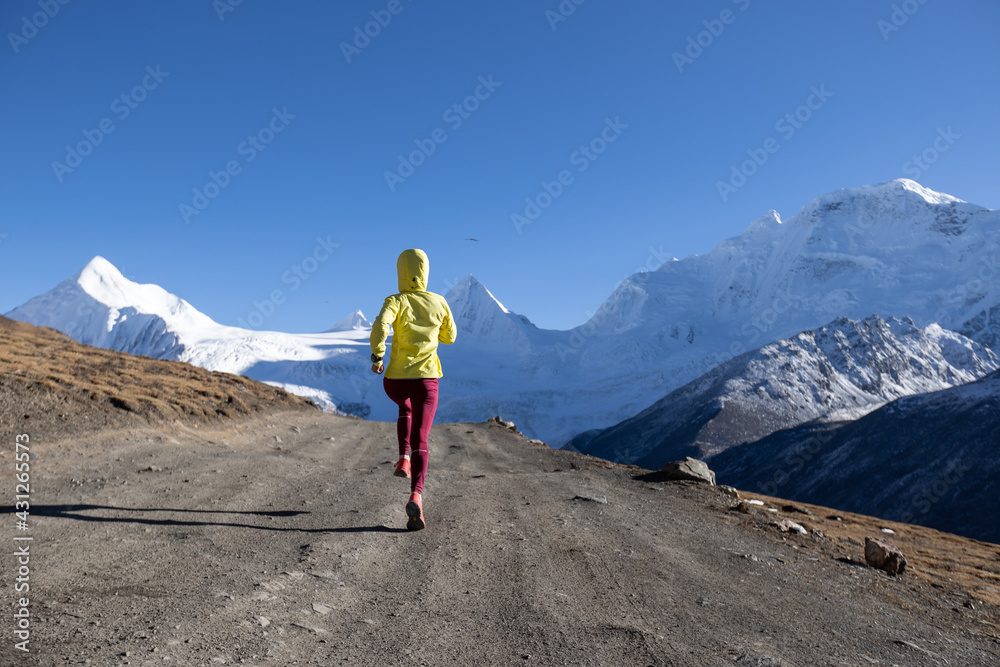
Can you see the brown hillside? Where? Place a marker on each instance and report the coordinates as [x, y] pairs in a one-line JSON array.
[[49, 381]]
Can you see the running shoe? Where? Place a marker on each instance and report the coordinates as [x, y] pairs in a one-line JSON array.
[[402, 468], [415, 512]]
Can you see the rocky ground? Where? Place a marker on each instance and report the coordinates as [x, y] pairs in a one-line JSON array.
[[278, 539]]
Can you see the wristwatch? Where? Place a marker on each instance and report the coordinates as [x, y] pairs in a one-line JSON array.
[[375, 359]]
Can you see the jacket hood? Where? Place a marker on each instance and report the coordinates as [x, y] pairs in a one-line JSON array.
[[413, 269]]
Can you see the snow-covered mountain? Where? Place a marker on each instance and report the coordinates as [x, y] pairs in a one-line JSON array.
[[895, 249], [99, 306], [929, 459], [839, 372]]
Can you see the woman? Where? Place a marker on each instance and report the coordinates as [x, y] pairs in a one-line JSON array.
[[419, 321]]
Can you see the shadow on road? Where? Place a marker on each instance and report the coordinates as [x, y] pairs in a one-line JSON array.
[[72, 512]]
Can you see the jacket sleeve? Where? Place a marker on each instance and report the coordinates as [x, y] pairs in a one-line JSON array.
[[448, 331], [383, 325]]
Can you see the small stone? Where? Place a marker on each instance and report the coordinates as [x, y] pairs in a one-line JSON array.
[[315, 631], [795, 508], [592, 497], [730, 493], [277, 439], [689, 469], [500, 422], [884, 556], [787, 526], [320, 608]]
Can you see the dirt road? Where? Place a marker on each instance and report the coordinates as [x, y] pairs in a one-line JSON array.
[[280, 541]]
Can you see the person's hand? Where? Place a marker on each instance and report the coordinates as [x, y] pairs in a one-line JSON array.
[[377, 368]]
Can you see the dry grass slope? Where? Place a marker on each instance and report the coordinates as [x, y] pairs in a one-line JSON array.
[[49, 374]]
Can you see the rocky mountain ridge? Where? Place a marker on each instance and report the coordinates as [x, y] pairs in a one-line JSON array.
[[839, 372]]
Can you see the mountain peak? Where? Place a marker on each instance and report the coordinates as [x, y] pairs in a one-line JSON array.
[[930, 196], [469, 290], [483, 320], [355, 321], [769, 220], [895, 195], [100, 266], [103, 281]]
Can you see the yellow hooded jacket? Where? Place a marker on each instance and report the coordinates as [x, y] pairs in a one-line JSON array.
[[419, 320]]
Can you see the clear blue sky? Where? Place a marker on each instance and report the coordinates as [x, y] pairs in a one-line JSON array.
[[887, 94]]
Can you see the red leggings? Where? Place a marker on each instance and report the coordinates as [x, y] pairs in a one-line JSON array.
[[417, 400]]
